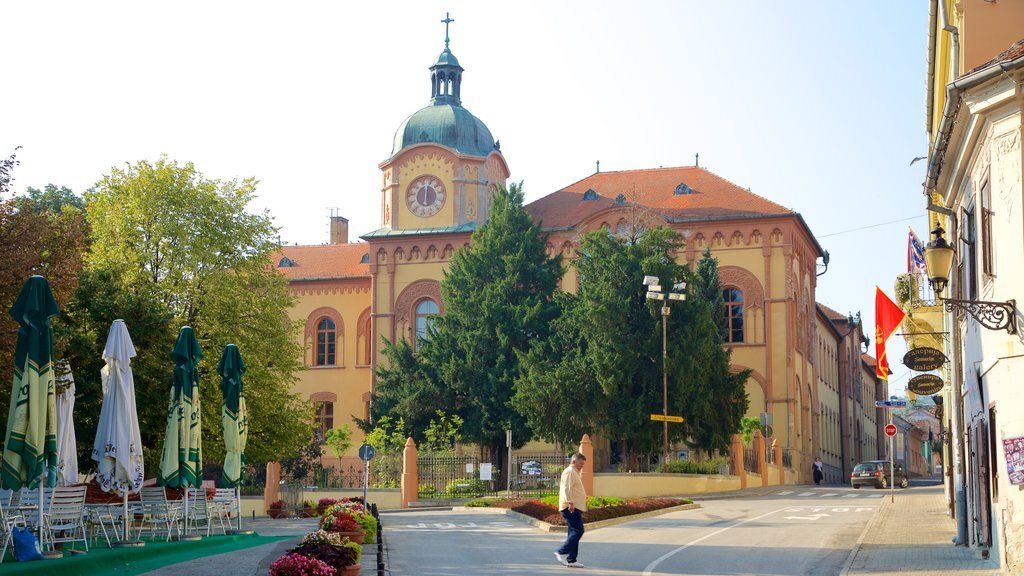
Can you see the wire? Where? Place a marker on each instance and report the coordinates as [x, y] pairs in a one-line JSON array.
[[871, 226]]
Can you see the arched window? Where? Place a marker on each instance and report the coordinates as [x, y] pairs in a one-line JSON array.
[[326, 339], [324, 419], [426, 309], [733, 301], [368, 341]]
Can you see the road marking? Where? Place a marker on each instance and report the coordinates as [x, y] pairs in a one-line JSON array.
[[785, 493], [829, 494], [812, 517], [654, 564], [806, 494]]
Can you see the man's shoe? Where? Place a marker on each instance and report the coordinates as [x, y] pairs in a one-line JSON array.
[[575, 565], [562, 558]]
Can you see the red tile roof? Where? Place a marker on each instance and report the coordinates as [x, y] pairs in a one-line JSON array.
[[710, 197], [324, 261], [1016, 50]]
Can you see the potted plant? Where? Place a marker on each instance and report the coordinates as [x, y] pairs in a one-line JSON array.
[[330, 548], [340, 519], [368, 524], [278, 509], [298, 565], [323, 504], [309, 509]]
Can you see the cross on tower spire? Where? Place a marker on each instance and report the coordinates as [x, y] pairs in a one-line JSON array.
[[447, 20]]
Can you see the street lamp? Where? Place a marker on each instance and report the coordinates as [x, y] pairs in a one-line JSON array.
[[654, 293], [938, 259]]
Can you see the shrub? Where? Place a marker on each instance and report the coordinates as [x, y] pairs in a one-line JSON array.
[[325, 502], [336, 557], [466, 486], [293, 564], [368, 524], [693, 467], [592, 501], [278, 505]]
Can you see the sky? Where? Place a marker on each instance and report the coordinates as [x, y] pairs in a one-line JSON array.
[[818, 106]]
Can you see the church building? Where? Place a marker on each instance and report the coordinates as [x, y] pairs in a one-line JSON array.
[[436, 186]]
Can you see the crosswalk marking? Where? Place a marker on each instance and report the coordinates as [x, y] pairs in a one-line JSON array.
[[806, 494], [785, 493]]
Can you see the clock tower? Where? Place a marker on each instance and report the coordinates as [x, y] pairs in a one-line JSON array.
[[435, 191], [444, 161]]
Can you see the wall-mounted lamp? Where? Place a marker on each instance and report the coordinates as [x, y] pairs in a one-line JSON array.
[[938, 259]]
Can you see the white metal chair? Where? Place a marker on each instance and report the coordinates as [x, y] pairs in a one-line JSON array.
[[158, 514], [7, 524], [64, 518], [200, 511], [100, 516], [223, 507]]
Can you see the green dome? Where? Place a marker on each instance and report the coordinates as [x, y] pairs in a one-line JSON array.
[[446, 124]]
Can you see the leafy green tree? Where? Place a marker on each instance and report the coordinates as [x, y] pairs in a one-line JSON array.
[[442, 434], [164, 234], [408, 388], [55, 198], [339, 440], [388, 435], [35, 238]]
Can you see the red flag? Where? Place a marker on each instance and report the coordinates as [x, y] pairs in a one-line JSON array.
[[887, 318]]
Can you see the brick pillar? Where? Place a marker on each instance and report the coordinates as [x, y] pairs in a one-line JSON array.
[[736, 451], [410, 473], [759, 453], [272, 489], [587, 449]]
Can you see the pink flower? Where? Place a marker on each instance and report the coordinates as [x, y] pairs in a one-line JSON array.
[[299, 565]]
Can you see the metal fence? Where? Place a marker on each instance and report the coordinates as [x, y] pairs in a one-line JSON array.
[[453, 476], [750, 461], [787, 458], [535, 475]]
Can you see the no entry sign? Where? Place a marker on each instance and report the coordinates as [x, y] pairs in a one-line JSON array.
[[890, 430]]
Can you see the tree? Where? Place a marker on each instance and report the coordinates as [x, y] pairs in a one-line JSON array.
[[720, 399], [164, 235], [498, 296], [339, 440], [35, 238]]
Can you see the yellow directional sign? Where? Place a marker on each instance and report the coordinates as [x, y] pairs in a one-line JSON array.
[[663, 418]]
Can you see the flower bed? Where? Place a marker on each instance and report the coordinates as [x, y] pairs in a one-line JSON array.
[[549, 513]]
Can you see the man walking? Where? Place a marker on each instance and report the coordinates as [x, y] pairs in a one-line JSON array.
[[572, 503]]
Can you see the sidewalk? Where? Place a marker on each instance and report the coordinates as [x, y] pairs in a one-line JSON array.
[[914, 534]]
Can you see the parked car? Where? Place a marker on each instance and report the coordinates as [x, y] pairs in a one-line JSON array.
[[877, 473]]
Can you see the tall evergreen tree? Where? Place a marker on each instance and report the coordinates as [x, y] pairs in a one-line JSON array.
[[721, 400], [498, 296]]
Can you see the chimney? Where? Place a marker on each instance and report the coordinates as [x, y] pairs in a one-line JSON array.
[[339, 230]]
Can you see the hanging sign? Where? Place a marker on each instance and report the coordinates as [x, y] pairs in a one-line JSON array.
[[925, 384], [924, 359]]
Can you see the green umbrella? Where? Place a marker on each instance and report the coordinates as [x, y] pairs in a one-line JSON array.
[[181, 463], [234, 418], [30, 454]]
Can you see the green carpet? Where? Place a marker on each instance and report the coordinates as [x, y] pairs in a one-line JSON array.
[[130, 561]]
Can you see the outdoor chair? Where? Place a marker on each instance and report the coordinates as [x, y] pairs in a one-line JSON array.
[[28, 504], [200, 511], [7, 524], [223, 507], [158, 514], [64, 519], [98, 517]]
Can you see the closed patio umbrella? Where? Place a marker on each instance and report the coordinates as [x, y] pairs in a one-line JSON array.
[[118, 445], [181, 462], [30, 451], [67, 446], [234, 419]]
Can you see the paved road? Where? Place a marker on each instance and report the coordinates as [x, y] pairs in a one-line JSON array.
[[800, 531]]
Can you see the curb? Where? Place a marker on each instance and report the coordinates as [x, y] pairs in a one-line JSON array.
[[546, 527]]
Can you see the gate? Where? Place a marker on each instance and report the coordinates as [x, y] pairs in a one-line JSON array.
[[536, 475], [452, 476]]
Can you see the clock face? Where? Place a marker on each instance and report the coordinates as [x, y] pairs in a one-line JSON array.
[[425, 196]]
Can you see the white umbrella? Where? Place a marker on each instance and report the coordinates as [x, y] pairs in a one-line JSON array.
[[67, 447], [118, 446]]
